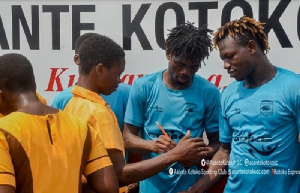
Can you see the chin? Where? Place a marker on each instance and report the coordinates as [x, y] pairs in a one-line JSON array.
[[239, 79]]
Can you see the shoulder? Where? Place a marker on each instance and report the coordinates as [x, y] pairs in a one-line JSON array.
[[10, 120], [123, 90], [291, 76], [230, 89], [85, 104], [288, 82], [146, 83], [64, 94], [61, 97], [148, 79], [204, 84], [69, 116], [124, 87]]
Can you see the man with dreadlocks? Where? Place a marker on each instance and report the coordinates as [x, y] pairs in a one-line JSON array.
[[260, 114], [179, 100]]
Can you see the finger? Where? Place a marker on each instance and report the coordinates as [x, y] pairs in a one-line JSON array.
[[202, 153], [204, 149], [197, 139], [187, 135], [200, 144], [166, 141], [164, 148], [169, 140]]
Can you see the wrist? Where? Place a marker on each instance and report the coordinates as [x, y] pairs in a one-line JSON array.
[[172, 157]]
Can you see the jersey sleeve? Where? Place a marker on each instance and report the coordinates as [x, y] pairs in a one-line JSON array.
[[7, 175], [61, 99], [103, 121], [225, 133], [211, 117], [98, 157]]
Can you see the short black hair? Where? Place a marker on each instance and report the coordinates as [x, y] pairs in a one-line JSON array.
[[190, 42], [99, 49], [16, 73], [80, 39], [243, 30]]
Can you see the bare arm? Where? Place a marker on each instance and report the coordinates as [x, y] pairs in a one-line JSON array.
[[136, 144], [213, 147], [213, 139], [206, 181], [103, 180], [186, 149], [7, 189]]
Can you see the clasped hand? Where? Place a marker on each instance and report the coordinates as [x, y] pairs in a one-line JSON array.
[[189, 151]]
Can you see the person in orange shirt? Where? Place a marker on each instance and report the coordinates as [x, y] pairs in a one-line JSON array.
[[42, 149], [102, 61]]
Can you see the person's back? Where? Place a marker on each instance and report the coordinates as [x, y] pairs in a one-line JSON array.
[[42, 149]]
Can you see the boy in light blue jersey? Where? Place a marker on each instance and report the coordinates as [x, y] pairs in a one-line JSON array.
[[179, 100], [260, 116]]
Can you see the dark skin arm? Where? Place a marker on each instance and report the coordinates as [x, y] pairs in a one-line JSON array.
[[136, 144], [7, 189], [213, 139], [103, 180], [213, 146], [163, 144], [186, 149], [207, 181]]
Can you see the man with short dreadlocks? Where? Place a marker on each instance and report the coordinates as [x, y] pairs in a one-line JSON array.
[[260, 115], [179, 100]]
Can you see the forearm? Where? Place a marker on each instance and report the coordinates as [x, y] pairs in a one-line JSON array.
[[136, 144], [7, 189], [213, 145], [208, 180], [213, 148], [133, 142], [141, 170]]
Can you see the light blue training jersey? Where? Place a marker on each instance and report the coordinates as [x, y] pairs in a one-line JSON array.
[[262, 126], [116, 100], [195, 108]]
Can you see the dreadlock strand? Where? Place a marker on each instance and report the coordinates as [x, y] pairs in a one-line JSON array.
[[186, 40], [245, 29]]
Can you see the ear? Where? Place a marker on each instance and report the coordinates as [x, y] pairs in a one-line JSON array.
[[168, 55], [76, 59], [252, 46], [100, 69], [1, 102], [1, 94]]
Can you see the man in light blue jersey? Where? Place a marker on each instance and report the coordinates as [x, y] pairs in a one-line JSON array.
[[116, 100], [260, 116], [179, 100]]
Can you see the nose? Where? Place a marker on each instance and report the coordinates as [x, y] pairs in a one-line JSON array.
[[186, 71], [226, 65]]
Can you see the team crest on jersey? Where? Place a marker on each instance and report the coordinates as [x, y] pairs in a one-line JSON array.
[[266, 107], [190, 109]]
